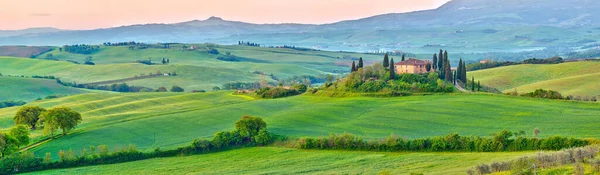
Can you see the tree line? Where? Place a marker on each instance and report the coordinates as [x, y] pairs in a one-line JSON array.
[[249, 131], [11, 103], [494, 64], [499, 142], [80, 48]]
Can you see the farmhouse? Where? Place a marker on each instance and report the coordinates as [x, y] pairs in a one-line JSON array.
[[411, 66]]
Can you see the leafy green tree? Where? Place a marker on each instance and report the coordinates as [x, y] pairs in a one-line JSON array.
[[386, 60], [7, 145], [61, 117], [360, 63], [161, 89], [435, 61], [29, 115], [263, 137], [21, 134], [249, 126], [177, 89]]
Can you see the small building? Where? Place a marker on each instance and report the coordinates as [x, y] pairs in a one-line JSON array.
[[411, 66], [485, 61]]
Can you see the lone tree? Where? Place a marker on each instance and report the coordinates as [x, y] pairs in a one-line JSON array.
[[21, 134], [353, 66], [177, 89], [249, 126], [386, 60], [360, 63], [29, 115], [403, 58], [61, 117]]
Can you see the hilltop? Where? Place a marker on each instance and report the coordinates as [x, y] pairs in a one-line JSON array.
[[469, 26]]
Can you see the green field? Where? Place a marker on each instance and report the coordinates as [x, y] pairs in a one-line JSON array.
[[576, 78], [169, 120], [272, 160], [29, 89], [196, 69]]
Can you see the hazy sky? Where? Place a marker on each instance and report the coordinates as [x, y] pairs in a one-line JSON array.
[[90, 14]]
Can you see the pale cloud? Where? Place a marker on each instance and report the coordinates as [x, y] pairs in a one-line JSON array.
[[89, 14]]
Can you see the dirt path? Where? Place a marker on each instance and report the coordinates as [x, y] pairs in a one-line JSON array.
[[460, 88]]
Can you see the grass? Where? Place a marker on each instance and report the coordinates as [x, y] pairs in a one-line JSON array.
[[575, 78], [169, 120], [29, 89], [271, 160]]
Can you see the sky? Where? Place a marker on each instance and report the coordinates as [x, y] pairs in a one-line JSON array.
[[92, 14]]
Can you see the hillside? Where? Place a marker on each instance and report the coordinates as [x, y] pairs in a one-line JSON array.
[[23, 51], [274, 160], [168, 120], [575, 78], [196, 69], [28, 89]]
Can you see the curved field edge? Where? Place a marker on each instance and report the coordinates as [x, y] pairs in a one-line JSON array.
[[273, 160], [573, 78], [169, 120]]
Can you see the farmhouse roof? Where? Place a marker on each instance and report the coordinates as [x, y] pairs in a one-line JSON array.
[[412, 61]]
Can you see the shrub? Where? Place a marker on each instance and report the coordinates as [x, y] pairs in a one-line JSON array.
[[177, 89]]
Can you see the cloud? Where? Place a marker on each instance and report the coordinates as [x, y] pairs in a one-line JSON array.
[[40, 14]]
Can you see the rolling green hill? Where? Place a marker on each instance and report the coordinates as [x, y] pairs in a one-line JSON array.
[[196, 69], [168, 120], [271, 160], [29, 89], [575, 78]]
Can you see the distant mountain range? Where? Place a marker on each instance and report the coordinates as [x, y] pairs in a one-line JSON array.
[[361, 34]]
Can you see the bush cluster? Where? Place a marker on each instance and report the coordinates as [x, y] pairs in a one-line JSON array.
[[501, 141], [80, 48], [280, 92], [10, 103], [524, 165]]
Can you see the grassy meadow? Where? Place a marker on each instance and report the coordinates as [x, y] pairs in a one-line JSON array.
[[273, 160], [574, 78], [169, 120]]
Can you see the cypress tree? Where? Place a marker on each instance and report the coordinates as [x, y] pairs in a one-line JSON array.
[[448, 71], [464, 73], [459, 70], [360, 63], [353, 66], [435, 61], [386, 61], [454, 77], [440, 65], [392, 70], [473, 84], [403, 57]]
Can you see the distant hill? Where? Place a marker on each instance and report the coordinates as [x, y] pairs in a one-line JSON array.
[[6, 33], [23, 51], [464, 25], [576, 78]]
